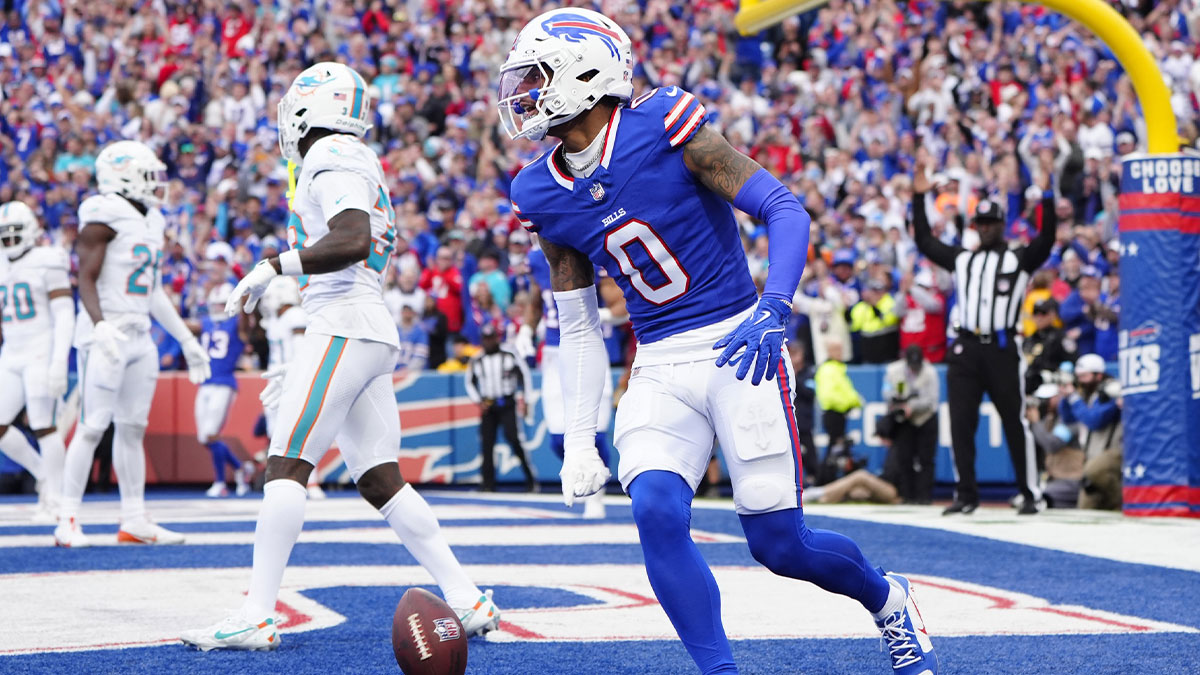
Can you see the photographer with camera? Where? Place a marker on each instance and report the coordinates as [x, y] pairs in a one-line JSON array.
[[1046, 349], [1094, 404], [912, 391]]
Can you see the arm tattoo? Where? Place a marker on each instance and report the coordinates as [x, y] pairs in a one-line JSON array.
[[569, 269], [717, 164]]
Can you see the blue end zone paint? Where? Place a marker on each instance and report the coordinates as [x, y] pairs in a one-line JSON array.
[[362, 644]]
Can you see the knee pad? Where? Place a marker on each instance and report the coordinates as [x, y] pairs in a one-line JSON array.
[[125, 432], [661, 502], [763, 494], [89, 435]]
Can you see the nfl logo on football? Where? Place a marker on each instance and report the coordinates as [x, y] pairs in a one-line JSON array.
[[597, 191], [446, 629]]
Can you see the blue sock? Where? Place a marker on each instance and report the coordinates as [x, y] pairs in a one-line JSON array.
[[218, 461], [219, 449], [785, 545], [602, 446], [682, 581], [556, 445]]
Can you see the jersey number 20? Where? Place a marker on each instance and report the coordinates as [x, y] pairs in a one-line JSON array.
[[21, 294], [617, 243]]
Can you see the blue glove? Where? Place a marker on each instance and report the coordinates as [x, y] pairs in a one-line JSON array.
[[761, 336]]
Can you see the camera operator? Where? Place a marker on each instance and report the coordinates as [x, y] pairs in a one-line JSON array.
[[1094, 403], [1058, 449], [1047, 348], [912, 390]]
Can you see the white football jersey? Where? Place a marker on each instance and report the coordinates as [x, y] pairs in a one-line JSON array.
[[25, 285], [339, 172], [130, 271], [281, 335]]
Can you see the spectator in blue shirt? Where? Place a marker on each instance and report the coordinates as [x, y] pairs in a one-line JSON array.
[[414, 342], [1087, 310]]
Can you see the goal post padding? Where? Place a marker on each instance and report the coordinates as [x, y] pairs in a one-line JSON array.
[[1160, 334]]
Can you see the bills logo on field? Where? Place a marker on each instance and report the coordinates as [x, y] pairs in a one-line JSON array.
[[1139, 358], [446, 629]]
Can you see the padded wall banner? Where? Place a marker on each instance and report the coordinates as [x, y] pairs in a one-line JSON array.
[[440, 433], [1160, 334]]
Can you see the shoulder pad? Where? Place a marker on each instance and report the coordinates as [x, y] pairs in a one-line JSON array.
[[105, 209], [340, 152], [682, 114], [52, 257]]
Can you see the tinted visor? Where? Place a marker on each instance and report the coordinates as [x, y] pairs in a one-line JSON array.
[[518, 94]]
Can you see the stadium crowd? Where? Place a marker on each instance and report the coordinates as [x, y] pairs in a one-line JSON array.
[[840, 103]]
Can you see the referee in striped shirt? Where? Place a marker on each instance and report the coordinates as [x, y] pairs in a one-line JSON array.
[[498, 380], [986, 357]]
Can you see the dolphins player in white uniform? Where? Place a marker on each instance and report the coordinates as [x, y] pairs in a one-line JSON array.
[[120, 249], [339, 386], [39, 317], [284, 321]]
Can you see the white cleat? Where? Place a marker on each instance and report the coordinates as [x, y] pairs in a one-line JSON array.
[[315, 491], [68, 534], [234, 633], [484, 616], [217, 489], [146, 532], [242, 478], [593, 506]]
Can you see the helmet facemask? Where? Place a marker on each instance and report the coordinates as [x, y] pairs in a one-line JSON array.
[[15, 239]]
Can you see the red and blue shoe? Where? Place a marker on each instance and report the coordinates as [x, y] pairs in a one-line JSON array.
[[905, 636]]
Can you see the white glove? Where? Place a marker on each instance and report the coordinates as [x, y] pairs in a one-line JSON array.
[[252, 286], [107, 339], [56, 379], [582, 473], [274, 390], [197, 361]]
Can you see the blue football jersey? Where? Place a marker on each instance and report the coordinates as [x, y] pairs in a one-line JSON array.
[[221, 340], [671, 244]]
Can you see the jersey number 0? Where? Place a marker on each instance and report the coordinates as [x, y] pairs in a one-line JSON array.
[[617, 243]]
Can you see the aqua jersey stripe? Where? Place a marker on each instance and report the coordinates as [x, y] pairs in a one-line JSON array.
[[316, 397], [359, 89]]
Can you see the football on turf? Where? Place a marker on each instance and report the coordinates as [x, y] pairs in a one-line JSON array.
[[427, 637]]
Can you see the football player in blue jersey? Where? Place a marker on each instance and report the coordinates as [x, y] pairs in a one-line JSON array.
[[642, 188], [223, 337]]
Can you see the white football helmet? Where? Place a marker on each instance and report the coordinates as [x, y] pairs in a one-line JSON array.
[[132, 169], [562, 63], [327, 96], [283, 291], [218, 296], [19, 229]]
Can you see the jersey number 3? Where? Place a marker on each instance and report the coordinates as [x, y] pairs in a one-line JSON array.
[[675, 280]]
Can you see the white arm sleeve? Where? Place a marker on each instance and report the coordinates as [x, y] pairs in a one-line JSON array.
[[338, 191], [62, 312], [165, 314], [581, 364]]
